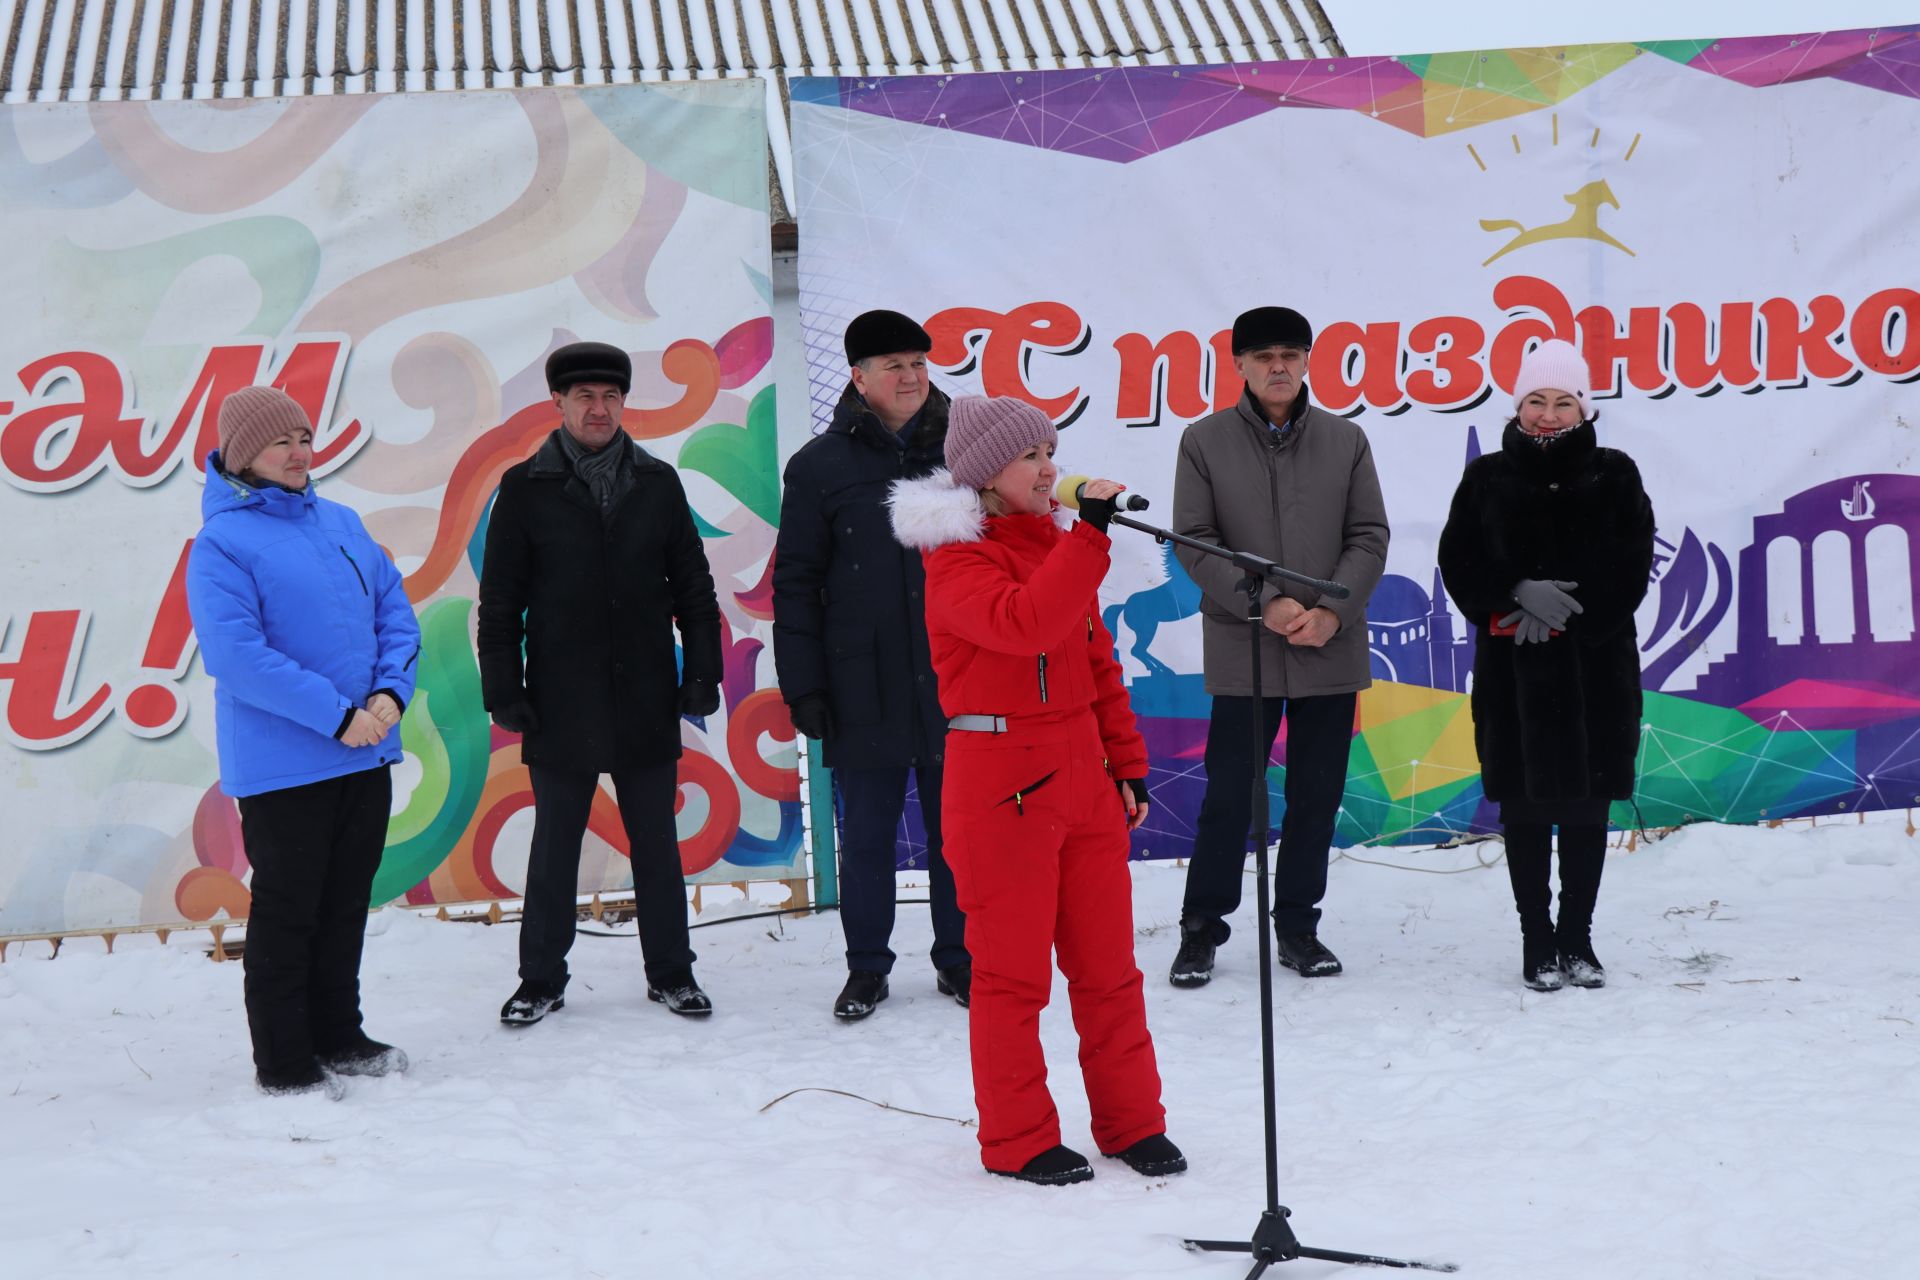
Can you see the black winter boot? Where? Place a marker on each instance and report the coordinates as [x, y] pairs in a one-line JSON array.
[[532, 1001], [1540, 966], [956, 980], [863, 993], [1054, 1167], [1581, 967], [1306, 955], [305, 1078], [364, 1057], [1193, 963], [1153, 1157], [1583, 857], [683, 996], [1529, 866]]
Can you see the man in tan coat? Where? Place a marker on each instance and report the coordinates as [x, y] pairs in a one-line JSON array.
[[1277, 477]]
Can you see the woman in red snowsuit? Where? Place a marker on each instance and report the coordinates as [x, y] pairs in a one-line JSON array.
[[1045, 773]]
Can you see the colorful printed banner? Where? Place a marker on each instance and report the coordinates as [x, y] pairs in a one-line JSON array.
[[1713, 221], [402, 265]]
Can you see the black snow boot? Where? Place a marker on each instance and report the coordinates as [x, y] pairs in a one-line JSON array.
[[1193, 963], [1583, 857], [1581, 967], [1054, 1167], [955, 980], [532, 1002], [863, 993], [364, 1057], [1306, 955], [1529, 868], [1540, 966], [305, 1078], [1155, 1157], [684, 997]]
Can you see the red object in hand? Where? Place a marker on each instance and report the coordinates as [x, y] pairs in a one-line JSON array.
[[1495, 629]]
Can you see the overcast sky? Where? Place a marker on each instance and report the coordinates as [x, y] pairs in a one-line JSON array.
[[1389, 27]]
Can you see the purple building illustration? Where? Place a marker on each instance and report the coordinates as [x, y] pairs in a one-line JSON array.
[[1827, 595], [1410, 636]]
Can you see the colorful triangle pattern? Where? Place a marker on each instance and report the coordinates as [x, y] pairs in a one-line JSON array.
[[1122, 115]]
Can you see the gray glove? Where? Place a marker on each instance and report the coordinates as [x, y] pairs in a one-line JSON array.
[[1547, 601], [1527, 628]]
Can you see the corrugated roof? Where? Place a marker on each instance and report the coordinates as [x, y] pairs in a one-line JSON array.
[[93, 50]]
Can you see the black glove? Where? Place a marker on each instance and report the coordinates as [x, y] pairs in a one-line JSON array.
[[699, 698], [517, 716], [1097, 511], [1139, 788], [812, 716]]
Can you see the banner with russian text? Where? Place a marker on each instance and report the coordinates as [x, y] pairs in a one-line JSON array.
[[1723, 226], [401, 265]]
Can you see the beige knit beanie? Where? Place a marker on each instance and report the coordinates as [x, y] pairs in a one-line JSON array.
[[253, 418]]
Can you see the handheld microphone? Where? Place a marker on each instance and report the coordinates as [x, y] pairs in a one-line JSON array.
[[1069, 489]]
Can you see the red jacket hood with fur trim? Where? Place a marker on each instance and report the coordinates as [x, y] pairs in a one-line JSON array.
[[1013, 613]]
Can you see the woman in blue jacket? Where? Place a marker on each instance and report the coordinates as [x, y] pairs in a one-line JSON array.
[[312, 646]]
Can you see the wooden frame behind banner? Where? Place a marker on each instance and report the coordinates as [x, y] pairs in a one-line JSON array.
[[613, 908], [819, 846], [617, 907]]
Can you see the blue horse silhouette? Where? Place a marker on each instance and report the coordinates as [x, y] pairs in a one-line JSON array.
[[1144, 611]]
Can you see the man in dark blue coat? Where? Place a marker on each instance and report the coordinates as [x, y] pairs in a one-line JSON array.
[[850, 644], [592, 563]]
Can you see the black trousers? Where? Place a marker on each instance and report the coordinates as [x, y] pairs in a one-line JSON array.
[[1319, 736], [314, 850], [1527, 829], [562, 801], [871, 804]]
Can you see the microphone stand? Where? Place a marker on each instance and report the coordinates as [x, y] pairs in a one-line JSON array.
[[1256, 567], [1273, 1240]]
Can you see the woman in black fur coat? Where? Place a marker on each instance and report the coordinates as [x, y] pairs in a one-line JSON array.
[[1547, 552]]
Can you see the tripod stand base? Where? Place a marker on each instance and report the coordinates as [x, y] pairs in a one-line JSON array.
[[1273, 1241]]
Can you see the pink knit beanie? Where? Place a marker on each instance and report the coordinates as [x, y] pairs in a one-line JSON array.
[[984, 435], [1555, 366], [253, 418]]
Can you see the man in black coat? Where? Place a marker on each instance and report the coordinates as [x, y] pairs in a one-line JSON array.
[[850, 644], [592, 559]]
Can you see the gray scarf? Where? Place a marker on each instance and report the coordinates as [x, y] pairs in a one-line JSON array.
[[602, 470]]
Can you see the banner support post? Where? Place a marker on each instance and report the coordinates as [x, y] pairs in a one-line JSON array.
[[819, 817]]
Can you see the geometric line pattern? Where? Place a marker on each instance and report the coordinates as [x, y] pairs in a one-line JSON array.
[[1124, 114]]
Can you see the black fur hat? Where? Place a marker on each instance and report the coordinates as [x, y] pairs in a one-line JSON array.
[[881, 333], [1270, 327], [589, 362]]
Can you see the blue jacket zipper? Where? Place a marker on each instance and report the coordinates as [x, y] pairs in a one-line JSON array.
[[356, 571]]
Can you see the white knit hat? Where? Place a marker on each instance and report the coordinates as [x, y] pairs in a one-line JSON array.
[[1555, 365]]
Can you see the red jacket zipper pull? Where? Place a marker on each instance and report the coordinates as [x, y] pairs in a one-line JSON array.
[[1018, 806], [1043, 677]]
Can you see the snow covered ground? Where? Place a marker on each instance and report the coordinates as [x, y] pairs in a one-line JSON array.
[[1743, 1100]]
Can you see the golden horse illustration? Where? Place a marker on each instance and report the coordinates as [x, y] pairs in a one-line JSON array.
[[1583, 224]]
